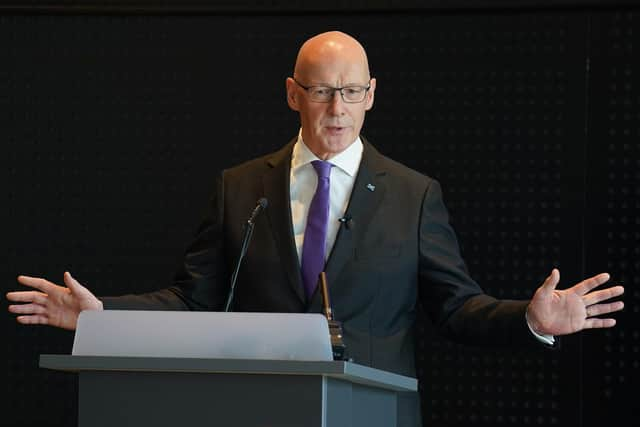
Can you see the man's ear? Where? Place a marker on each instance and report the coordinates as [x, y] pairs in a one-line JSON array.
[[370, 95], [292, 99]]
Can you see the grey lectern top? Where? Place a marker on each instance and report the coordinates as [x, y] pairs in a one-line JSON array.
[[347, 371]]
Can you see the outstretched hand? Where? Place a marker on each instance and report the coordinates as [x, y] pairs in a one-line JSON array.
[[51, 304], [562, 312]]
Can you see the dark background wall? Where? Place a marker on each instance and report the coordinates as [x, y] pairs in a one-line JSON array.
[[115, 121]]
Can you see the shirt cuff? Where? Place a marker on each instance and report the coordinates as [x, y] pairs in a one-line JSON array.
[[547, 339]]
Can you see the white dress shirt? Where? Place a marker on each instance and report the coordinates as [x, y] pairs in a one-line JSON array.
[[303, 183]]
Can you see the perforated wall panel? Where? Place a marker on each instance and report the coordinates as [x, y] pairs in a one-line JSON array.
[[613, 219], [116, 126]]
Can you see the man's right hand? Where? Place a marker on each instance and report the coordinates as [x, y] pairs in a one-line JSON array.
[[50, 304]]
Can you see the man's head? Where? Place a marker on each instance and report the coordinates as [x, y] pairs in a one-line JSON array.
[[333, 60]]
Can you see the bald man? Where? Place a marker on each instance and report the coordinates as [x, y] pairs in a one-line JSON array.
[[378, 229]]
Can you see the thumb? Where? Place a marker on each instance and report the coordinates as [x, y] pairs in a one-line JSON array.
[[83, 296], [71, 283], [552, 281]]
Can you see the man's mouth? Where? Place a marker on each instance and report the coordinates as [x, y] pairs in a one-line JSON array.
[[335, 129]]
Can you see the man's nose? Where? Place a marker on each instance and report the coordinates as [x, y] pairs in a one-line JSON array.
[[336, 105]]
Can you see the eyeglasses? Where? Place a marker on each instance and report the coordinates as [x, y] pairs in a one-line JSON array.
[[350, 94]]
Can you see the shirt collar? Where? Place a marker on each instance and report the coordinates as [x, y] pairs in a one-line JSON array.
[[348, 160]]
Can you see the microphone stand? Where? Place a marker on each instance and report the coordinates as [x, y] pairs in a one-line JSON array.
[[248, 231]]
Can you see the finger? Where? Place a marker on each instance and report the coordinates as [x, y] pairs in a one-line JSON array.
[[37, 283], [27, 296], [593, 282], [602, 295], [27, 309], [552, 280], [595, 323], [33, 320], [598, 309]]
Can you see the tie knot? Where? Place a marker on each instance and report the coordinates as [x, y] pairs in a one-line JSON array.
[[323, 169]]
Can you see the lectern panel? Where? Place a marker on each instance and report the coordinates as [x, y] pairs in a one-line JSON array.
[[172, 399]]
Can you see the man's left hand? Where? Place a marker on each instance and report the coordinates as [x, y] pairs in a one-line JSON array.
[[562, 312]]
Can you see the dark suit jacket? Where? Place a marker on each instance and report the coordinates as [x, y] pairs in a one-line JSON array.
[[398, 251]]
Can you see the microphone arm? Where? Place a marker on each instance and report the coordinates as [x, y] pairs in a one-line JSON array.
[[335, 327], [248, 232]]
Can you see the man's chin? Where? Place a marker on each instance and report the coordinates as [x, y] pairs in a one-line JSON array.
[[326, 146], [338, 145]]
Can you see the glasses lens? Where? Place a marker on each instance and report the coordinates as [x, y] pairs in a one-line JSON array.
[[321, 93], [353, 94]]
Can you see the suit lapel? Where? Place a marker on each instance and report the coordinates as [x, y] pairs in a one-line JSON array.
[[368, 191], [276, 189]]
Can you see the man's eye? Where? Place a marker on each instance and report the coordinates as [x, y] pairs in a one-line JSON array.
[[321, 91], [353, 90]]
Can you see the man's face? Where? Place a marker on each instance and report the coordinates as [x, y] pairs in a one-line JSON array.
[[330, 128]]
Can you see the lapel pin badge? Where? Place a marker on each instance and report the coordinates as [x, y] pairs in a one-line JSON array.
[[371, 187]]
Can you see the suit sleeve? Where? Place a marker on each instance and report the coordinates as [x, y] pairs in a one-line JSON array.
[[459, 308], [200, 282]]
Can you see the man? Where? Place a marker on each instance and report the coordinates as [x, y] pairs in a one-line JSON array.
[[378, 229]]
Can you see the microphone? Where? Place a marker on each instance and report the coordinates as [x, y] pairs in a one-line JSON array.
[[262, 204], [347, 221], [248, 232]]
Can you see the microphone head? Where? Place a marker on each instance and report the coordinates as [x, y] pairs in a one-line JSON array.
[[347, 221], [263, 202]]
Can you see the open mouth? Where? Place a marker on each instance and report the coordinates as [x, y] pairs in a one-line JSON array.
[[334, 130]]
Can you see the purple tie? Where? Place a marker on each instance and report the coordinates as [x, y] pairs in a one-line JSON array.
[[315, 235]]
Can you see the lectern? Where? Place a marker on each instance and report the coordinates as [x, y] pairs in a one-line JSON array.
[[257, 391]]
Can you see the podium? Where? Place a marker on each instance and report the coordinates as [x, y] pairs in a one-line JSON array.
[[158, 392], [222, 369]]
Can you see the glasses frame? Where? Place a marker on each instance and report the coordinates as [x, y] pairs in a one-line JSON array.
[[333, 91]]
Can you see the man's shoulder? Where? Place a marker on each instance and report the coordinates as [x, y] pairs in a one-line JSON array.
[[394, 168], [262, 163]]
